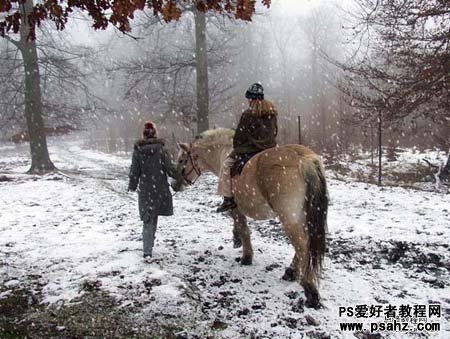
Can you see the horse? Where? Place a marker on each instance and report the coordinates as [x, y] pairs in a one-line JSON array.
[[287, 182]]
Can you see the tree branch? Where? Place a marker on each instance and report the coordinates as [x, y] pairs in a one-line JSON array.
[[14, 42]]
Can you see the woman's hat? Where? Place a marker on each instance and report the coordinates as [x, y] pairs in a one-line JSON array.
[[149, 130]]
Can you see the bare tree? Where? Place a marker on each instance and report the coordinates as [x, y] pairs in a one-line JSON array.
[[404, 78], [162, 74], [320, 29], [201, 56], [67, 94], [40, 159], [28, 16], [44, 86]]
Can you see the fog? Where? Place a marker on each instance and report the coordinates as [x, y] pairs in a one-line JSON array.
[[279, 49], [107, 83]]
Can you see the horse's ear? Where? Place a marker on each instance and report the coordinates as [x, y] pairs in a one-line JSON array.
[[184, 147]]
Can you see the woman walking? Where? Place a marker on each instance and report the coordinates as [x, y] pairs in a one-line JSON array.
[[149, 169]]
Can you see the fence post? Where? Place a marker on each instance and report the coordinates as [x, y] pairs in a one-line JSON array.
[[299, 130]]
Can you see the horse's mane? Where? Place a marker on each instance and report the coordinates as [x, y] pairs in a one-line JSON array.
[[222, 136]]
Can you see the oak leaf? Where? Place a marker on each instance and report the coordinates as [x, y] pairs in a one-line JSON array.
[[171, 11]]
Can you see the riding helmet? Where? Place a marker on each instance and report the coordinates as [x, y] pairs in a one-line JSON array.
[[255, 92]]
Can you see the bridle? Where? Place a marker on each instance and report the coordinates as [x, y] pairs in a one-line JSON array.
[[194, 168]]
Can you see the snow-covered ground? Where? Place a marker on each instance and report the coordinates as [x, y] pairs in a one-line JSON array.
[[411, 168], [66, 230]]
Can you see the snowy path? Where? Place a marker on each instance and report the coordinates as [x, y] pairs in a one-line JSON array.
[[387, 245]]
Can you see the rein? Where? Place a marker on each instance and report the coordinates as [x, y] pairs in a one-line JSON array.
[[194, 168]]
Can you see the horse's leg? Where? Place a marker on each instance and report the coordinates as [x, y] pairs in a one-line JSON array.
[[307, 279], [298, 239], [237, 238], [244, 231], [311, 293], [296, 233], [247, 250], [237, 241], [291, 273], [293, 221]]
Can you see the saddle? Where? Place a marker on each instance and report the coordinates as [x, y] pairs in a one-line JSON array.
[[240, 163]]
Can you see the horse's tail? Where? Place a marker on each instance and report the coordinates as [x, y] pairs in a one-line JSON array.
[[316, 209]]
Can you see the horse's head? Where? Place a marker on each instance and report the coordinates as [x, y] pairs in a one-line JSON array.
[[187, 165]]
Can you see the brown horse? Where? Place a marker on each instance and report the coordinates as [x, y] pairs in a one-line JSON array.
[[287, 182]]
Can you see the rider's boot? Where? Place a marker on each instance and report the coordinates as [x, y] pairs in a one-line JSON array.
[[227, 204]]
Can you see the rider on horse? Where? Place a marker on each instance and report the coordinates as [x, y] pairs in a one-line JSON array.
[[257, 130]]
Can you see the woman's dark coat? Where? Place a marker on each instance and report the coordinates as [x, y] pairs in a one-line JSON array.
[[149, 168]]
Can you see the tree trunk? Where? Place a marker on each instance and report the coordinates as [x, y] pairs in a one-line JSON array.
[[40, 159], [380, 147], [318, 104], [202, 72], [391, 152]]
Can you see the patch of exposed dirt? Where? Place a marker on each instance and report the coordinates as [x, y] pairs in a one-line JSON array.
[[95, 314], [414, 258]]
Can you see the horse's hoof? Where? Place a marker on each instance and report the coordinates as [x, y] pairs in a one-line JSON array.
[[312, 296], [237, 243], [246, 261], [313, 303], [289, 275]]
